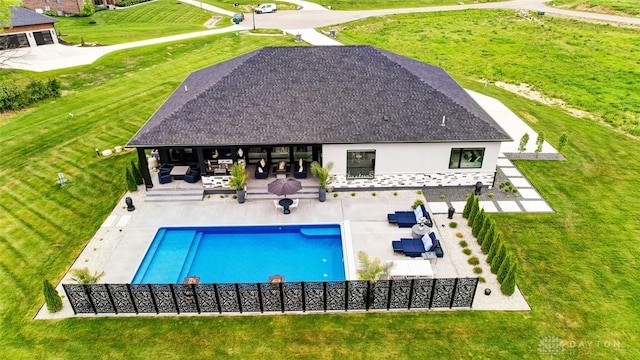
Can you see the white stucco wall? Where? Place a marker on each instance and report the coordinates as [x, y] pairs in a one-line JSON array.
[[410, 157]]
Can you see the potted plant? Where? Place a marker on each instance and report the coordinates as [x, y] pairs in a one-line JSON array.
[[324, 179], [238, 181]]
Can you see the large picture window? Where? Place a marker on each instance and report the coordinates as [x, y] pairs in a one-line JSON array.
[[361, 164], [466, 158]]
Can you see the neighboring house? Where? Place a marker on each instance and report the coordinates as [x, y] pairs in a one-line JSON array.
[[28, 29], [383, 119], [62, 7]]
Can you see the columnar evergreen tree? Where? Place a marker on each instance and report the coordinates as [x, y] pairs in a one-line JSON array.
[[483, 230], [135, 170], [504, 268], [478, 222], [522, 147], [467, 206], [131, 181], [508, 286], [490, 238], [495, 246], [498, 258], [51, 297], [564, 138], [475, 206]]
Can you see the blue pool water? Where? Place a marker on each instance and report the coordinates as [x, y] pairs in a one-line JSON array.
[[239, 254]]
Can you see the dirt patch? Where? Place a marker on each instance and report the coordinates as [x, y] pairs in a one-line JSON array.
[[526, 90], [211, 23]]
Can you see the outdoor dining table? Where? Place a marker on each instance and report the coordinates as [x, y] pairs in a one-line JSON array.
[[285, 203]]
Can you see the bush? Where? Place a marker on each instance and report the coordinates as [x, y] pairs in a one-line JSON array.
[[463, 243], [467, 206], [473, 260], [131, 181], [478, 221], [504, 268], [373, 194], [137, 175], [453, 224], [477, 270], [417, 203], [126, 3], [489, 238], [335, 195], [466, 251], [83, 276], [14, 96], [482, 279], [395, 193], [483, 230], [508, 286], [495, 246], [353, 194], [459, 234], [475, 207], [491, 195], [51, 297]]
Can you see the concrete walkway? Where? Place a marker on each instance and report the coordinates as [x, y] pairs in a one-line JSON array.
[[51, 57]]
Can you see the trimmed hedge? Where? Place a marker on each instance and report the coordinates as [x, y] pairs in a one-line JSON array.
[[126, 3], [14, 96]]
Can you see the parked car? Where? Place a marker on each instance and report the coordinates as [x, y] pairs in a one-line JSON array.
[[266, 8], [237, 18]]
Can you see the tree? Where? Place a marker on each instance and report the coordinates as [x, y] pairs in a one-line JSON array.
[[508, 286], [87, 8], [137, 175], [372, 269], [498, 258], [504, 268], [475, 206], [478, 222], [51, 297], [467, 206], [495, 246], [490, 238], [238, 179], [522, 147], [131, 181], [483, 231], [539, 143], [564, 139]]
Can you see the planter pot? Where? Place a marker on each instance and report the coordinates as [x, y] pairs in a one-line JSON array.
[[240, 195], [322, 195]]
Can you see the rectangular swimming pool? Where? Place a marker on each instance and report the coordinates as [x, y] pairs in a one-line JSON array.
[[240, 254]]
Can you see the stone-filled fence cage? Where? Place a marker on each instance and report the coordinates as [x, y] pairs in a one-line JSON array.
[[351, 295]]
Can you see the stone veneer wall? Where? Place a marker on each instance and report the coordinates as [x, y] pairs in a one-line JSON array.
[[416, 180]]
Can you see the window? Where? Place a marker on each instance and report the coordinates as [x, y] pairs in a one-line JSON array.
[[466, 158], [361, 164]]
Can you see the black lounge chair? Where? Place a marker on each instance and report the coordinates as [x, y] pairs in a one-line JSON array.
[[415, 247], [262, 172], [406, 219]]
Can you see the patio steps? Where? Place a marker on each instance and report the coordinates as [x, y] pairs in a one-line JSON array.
[[175, 195], [259, 193]]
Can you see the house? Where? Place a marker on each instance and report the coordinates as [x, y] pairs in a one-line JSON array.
[[28, 29], [61, 7], [383, 119]]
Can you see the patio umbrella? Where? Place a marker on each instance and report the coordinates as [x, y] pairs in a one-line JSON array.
[[284, 187]]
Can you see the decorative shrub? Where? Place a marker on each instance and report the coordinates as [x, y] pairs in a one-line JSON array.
[[483, 230], [419, 192], [126, 3], [463, 243], [51, 297], [453, 224], [353, 194], [489, 238], [508, 286], [482, 279], [373, 194], [443, 196], [417, 203], [83, 276], [335, 195], [466, 251], [491, 195], [477, 270], [495, 246], [475, 207], [459, 234], [15, 96], [473, 260], [504, 268], [234, 196], [395, 193]]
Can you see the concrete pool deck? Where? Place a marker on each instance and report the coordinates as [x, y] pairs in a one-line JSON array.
[[119, 245]]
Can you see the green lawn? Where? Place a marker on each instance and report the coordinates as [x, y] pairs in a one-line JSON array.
[[587, 65], [146, 21], [393, 4], [579, 265], [614, 7], [244, 7]]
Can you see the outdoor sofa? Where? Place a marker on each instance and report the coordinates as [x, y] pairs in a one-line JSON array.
[[262, 170], [406, 219], [417, 247], [164, 173]]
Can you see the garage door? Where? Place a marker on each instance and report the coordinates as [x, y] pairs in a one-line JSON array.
[[43, 37], [14, 41]]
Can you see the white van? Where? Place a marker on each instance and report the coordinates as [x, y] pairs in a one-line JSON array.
[[265, 8]]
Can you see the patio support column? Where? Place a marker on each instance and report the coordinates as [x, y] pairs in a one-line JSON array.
[[144, 168], [200, 157]]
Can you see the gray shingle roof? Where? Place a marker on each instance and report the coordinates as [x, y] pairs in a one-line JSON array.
[[298, 95], [23, 17]]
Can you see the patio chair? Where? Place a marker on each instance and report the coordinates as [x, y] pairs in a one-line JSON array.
[[193, 176], [295, 204], [278, 206], [164, 178]]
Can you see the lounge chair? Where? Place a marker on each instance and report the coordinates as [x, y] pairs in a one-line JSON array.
[[262, 170], [416, 247], [192, 176], [406, 219], [164, 178], [300, 170]]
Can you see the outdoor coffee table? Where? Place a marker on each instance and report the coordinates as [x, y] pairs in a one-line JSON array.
[[178, 172], [417, 232]]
